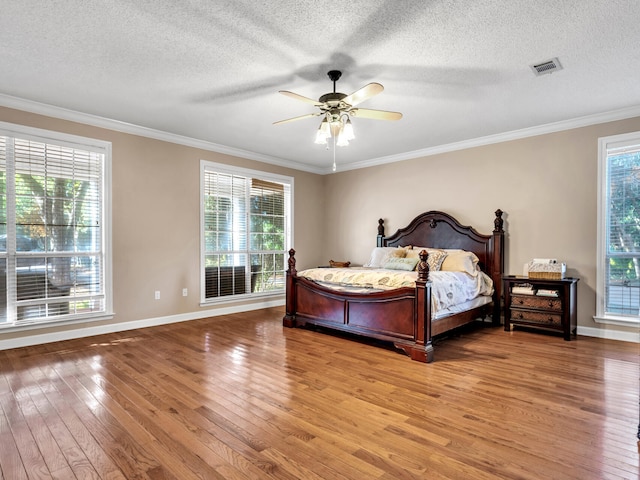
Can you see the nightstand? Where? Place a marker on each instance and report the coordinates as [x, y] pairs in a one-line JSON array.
[[548, 304]]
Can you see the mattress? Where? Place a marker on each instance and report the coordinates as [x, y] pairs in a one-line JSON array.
[[449, 290]]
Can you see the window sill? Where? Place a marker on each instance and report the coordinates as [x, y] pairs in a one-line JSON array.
[[621, 321], [246, 298], [40, 325]]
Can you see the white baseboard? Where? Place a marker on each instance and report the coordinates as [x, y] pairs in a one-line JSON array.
[[39, 339], [151, 322], [609, 334]]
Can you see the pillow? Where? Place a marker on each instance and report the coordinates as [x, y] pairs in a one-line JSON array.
[[460, 261], [380, 255], [434, 260], [396, 263]]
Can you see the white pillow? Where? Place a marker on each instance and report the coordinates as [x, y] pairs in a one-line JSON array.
[[461, 261], [380, 256]]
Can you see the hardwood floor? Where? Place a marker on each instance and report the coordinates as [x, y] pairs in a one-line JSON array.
[[241, 397]]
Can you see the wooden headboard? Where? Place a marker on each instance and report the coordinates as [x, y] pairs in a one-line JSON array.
[[440, 230]]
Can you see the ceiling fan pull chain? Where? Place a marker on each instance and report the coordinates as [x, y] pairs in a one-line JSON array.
[[334, 153]]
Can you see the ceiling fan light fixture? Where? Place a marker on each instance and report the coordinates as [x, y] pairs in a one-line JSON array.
[[323, 133], [336, 127], [337, 109], [321, 139], [342, 141], [347, 130], [325, 127]]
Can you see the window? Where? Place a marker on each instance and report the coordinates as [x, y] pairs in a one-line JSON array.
[[246, 231], [53, 227], [618, 283]]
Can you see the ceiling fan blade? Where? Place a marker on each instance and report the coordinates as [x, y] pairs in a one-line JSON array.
[[302, 98], [365, 92], [309, 115], [375, 114]]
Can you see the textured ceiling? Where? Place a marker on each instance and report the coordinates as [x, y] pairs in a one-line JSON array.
[[211, 70]]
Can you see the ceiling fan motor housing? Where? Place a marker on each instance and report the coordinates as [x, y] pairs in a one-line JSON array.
[[333, 99], [335, 106]]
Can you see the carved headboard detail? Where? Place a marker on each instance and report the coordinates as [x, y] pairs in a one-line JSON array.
[[440, 230]]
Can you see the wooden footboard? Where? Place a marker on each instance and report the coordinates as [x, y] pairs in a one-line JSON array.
[[402, 316], [398, 316]]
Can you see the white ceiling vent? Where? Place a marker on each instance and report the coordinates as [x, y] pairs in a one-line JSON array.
[[549, 66]]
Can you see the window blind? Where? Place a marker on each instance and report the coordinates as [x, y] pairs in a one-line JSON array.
[[622, 263], [268, 234], [245, 224], [51, 230]]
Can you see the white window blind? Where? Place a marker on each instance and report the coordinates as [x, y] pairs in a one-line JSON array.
[[246, 232], [619, 245], [52, 251]]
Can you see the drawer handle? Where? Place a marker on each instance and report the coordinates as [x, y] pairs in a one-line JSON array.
[[551, 303], [520, 301], [550, 320], [520, 316]]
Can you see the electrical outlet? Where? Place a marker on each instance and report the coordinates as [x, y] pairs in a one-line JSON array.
[[157, 294], [185, 292]]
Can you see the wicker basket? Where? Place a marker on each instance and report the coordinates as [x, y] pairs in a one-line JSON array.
[[333, 264], [547, 275], [547, 271]]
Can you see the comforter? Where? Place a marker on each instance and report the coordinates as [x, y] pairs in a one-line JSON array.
[[448, 288]]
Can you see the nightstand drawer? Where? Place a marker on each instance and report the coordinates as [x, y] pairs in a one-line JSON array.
[[549, 312], [533, 301], [542, 318]]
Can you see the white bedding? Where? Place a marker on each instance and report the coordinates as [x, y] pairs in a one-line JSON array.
[[448, 288], [462, 307]]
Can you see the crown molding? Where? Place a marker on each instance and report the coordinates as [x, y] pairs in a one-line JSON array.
[[124, 127], [554, 127]]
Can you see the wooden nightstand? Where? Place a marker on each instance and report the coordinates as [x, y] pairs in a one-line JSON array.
[[541, 311]]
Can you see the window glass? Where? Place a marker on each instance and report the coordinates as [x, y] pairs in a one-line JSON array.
[[619, 245], [246, 231], [52, 229]]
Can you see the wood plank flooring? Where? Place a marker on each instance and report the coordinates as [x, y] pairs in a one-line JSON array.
[[241, 397]]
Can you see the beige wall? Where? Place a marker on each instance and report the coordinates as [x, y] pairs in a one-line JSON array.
[[546, 185], [155, 215]]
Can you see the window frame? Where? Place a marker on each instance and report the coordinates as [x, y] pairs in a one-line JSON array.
[[81, 143], [208, 166], [605, 144]]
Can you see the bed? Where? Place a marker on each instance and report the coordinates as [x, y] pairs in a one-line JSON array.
[[403, 315]]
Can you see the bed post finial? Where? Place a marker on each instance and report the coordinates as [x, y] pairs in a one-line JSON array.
[[292, 262], [423, 266], [498, 222], [380, 237]]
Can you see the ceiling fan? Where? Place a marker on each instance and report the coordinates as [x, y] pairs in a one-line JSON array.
[[337, 108]]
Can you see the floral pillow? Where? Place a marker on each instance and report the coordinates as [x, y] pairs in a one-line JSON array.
[[434, 260]]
